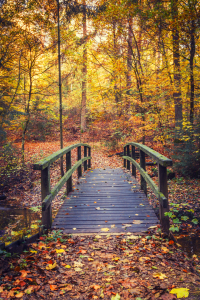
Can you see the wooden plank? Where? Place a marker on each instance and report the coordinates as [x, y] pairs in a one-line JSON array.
[[118, 200]]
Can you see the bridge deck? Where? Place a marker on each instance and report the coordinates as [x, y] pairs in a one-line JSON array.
[[105, 199]]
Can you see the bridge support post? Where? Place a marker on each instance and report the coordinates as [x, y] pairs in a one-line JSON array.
[[124, 155], [79, 170], [164, 206], [89, 154], [46, 190], [68, 167], [143, 183], [128, 154], [133, 156], [85, 155]]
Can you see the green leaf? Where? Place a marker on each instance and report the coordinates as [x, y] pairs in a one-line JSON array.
[[184, 218], [176, 221], [195, 221]]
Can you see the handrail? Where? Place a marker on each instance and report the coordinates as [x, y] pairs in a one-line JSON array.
[[44, 166], [161, 192], [161, 159]]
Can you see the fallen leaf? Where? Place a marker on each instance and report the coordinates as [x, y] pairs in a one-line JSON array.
[[51, 266], [180, 292], [112, 226], [105, 229], [116, 297], [96, 287], [60, 250], [159, 275], [53, 287], [24, 273], [97, 208], [67, 266], [133, 237], [68, 287], [98, 237], [77, 269], [74, 228], [137, 222], [19, 295], [90, 259]]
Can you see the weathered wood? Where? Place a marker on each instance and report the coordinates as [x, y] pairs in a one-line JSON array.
[[42, 164], [81, 212], [45, 191], [143, 183], [161, 159], [164, 206], [85, 155], [79, 170], [68, 167], [133, 156], [47, 201], [124, 155], [128, 154], [89, 154]]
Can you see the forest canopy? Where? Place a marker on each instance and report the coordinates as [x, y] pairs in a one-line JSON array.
[[132, 65]]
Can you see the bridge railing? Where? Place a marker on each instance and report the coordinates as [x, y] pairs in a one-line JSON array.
[[44, 165], [163, 162]]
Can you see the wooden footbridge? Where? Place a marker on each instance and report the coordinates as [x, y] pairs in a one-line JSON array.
[[105, 199]]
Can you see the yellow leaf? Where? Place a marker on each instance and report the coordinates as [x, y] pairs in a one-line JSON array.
[[60, 250], [105, 229], [68, 266], [159, 275], [20, 295], [51, 266], [180, 292], [116, 258], [98, 237], [112, 226], [90, 259], [33, 251]]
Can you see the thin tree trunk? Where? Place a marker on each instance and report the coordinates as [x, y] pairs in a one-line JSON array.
[[176, 62], [27, 111], [192, 54], [129, 53], [84, 82], [60, 90]]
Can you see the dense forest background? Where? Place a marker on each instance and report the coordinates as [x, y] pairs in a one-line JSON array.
[[129, 72]]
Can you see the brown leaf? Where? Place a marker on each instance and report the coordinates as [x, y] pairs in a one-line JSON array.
[[20, 295]]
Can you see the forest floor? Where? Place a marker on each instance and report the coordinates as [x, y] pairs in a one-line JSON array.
[[141, 266]]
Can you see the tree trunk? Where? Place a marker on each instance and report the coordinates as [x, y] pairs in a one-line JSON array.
[[192, 54], [176, 62], [60, 90], [84, 82], [129, 54], [27, 111]]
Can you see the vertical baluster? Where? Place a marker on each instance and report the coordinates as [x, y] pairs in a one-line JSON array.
[[133, 167], [164, 206], [143, 183], [46, 190], [79, 170], [89, 154], [68, 167], [85, 155], [124, 155], [128, 154]]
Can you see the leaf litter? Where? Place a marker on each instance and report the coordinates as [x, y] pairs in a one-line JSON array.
[[123, 266]]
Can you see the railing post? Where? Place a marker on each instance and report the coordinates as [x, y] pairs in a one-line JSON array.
[[143, 183], [85, 155], [89, 154], [46, 190], [124, 155], [79, 170], [163, 188], [133, 167], [68, 167], [128, 154]]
